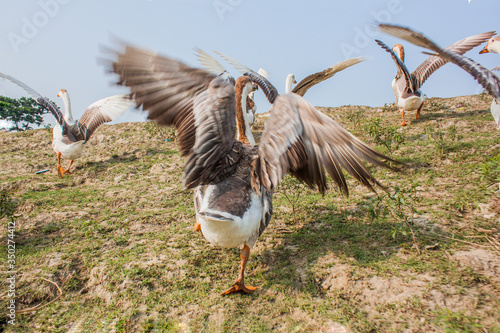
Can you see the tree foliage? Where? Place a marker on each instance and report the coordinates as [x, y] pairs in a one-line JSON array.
[[21, 112]]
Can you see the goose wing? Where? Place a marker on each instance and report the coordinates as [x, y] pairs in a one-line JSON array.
[[41, 100], [200, 105], [211, 65], [313, 79], [100, 112], [489, 81], [300, 140], [433, 63], [410, 84]]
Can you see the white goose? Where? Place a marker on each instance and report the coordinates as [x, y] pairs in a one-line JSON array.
[[406, 85], [233, 179], [492, 46], [486, 78], [69, 137]]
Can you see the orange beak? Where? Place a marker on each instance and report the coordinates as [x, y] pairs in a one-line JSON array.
[[485, 50], [58, 95]]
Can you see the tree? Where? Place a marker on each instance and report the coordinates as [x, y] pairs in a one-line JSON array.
[[21, 112]]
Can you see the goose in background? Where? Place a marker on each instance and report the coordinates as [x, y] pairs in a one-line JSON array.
[[69, 137], [489, 81], [492, 46], [406, 85], [233, 179]]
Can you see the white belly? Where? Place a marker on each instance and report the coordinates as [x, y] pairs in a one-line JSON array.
[[68, 151], [411, 103], [224, 229]]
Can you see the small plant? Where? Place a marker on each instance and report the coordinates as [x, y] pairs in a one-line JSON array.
[[490, 170], [384, 135], [442, 137], [292, 189], [7, 205], [355, 116], [399, 206], [166, 133]]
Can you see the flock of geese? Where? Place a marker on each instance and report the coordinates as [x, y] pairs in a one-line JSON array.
[[232, 177]]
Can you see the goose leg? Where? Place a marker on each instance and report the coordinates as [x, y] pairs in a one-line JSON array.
[[60, 170], [197, 227], [403, 115], [418, 111], [69, 167], [239, 285]]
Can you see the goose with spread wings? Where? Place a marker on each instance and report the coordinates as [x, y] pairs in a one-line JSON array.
[[489, 81], [234, 179], [406, 85], [69, 137]]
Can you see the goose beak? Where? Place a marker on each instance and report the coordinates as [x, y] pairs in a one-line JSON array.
[[485, 50], [294, 81]]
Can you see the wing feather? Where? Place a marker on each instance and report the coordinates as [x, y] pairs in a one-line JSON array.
[[313, 79], [100, 112], [41, 100], [433, 63], [200, 105], [300, 140]]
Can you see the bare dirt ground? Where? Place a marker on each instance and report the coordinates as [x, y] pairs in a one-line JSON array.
[[117, 238]]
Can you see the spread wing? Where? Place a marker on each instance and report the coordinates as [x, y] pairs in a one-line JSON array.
[[100, 112], [300, 140], [410, 83], [313, 79], [200, 105], [433, 63], [41, 100], [489, 81]]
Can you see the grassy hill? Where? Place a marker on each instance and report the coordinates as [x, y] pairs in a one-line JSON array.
[[115, 240]]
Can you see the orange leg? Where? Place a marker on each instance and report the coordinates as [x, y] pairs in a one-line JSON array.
[[197, 227], [69, 167], [418, 111], [403, 115], [239, 285], [60, 171]]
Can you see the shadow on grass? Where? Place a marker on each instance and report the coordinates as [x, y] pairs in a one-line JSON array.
[[289, 264]]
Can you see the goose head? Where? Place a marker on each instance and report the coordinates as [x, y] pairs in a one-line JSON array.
[[62, 92], [400, 51], [492, 46], [290, 79]]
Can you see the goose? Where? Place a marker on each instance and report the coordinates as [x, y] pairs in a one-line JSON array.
[[406, 85], [234, 179], [69, 137], [492, 46], [489, 81]]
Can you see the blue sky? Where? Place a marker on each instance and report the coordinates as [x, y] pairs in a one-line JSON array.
[[54, 44]]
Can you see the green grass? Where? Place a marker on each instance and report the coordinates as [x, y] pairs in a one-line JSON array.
[[117, 236]]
